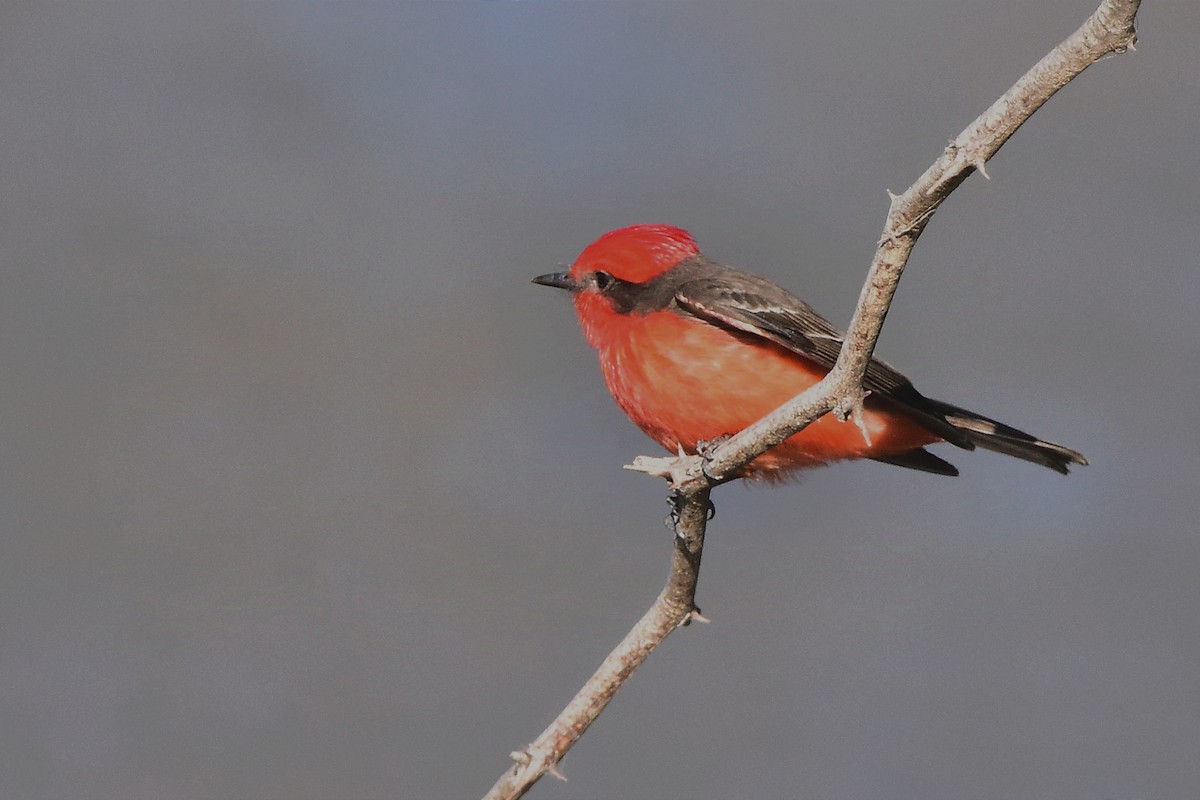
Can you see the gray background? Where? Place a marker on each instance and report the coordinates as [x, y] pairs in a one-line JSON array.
[[305, 492]]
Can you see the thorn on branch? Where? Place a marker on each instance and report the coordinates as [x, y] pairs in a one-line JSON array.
[[850, 408], [890, 236], [693, 616], [982, 169], [676, 469], [860, 421], [553, 769], [520, 758]]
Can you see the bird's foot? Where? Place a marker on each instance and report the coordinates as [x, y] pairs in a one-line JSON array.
[[705, 447]]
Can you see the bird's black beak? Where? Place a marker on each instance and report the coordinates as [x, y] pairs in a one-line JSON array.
[[559, 280]]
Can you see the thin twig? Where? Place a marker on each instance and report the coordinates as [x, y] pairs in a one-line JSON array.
[[1109, 30]]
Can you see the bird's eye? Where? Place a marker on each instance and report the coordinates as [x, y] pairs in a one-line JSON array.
[[603, 280]]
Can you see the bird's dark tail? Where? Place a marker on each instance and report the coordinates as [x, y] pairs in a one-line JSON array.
[[989, 434]]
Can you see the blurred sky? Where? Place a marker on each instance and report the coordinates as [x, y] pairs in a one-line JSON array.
[[306, 492]]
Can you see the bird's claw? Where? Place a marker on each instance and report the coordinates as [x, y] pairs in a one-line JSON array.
[[705, 447], [675, 501]]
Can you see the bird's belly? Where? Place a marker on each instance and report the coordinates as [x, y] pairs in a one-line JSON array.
[[683, 381]]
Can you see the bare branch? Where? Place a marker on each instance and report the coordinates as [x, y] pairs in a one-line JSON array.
[[1109, 30], [674, 607]]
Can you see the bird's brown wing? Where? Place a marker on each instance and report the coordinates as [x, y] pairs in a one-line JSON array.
[[742, 302], [754, 305]]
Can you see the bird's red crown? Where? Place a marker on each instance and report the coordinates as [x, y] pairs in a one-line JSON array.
[[636, 253]]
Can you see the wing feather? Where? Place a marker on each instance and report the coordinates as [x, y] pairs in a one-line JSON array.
[[758, 307]]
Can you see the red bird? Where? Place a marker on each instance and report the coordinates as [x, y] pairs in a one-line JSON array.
[[694, 351]]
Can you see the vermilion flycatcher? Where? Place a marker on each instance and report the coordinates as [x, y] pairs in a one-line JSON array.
[[694, 351]]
